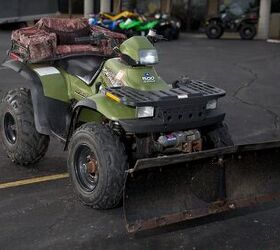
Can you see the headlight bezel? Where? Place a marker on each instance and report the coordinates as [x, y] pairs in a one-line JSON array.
[[145, 112], [212, 104]]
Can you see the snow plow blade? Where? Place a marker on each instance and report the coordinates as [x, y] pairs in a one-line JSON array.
[[166, 190]]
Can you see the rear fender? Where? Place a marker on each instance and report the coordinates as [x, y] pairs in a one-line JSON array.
[[49, 104], [248, 21]]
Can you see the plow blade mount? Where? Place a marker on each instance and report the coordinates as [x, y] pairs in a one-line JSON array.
[[166, 190]]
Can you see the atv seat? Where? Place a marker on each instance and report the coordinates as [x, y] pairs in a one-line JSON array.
[[84, 67]]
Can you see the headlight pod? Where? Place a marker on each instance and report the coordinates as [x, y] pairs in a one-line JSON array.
[[144, 112], [148, 57], [212, 104]]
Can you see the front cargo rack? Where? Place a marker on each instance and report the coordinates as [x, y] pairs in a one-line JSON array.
[[135, 98]]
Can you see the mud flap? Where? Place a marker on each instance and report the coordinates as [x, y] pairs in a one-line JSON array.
[[166, 190]]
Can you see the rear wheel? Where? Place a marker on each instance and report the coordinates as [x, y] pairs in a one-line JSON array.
[[20, 140], [248, 31], [176, 34], [214, 31], [97, 162]]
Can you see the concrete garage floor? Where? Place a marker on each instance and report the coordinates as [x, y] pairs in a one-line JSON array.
[[47, 215]]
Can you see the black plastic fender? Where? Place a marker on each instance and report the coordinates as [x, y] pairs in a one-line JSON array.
[[50, 115], [217, 20], [37, 94], [84, 103]]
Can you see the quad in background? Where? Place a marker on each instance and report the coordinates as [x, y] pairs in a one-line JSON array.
[[131, 24], [233, 18]]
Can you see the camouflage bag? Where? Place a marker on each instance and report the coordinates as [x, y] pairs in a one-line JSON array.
[[112, 40], [54, 38], [66, 29], [33, 45]]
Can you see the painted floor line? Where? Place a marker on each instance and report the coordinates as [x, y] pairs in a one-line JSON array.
[[33, 180]]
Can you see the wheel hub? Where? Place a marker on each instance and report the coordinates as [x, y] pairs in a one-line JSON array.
[[10, 128], [248, 32], [86, 168], [214, 31], [92, 166]]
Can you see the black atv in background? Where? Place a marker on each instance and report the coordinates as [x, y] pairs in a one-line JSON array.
[[233, 18], [168, 26]]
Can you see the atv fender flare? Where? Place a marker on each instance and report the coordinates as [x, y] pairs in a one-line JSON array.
[[215, 19], [37, 94], [84, 103]]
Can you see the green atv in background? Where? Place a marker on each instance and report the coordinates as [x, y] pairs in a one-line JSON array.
[[110, 113], [137, 26]]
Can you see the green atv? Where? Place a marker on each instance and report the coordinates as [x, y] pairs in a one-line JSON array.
[[109, 113]]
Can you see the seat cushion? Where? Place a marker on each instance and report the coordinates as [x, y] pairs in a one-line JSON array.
[[84, 67]]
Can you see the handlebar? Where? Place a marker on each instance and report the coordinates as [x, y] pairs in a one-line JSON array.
[[154, 37]]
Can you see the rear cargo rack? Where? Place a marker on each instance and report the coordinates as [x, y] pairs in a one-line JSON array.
[[134, 97]]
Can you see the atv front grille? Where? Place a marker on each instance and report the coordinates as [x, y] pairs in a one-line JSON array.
[[184, 92]]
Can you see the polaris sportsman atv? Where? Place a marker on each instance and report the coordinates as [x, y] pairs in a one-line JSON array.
[[109, 112], [128, 133]]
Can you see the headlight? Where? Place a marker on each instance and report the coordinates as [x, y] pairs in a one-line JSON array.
[[143, 112], [212, 104], [148, 57]]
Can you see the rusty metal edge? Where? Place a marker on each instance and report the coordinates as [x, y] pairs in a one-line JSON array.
[[213, 208], [180, 158]]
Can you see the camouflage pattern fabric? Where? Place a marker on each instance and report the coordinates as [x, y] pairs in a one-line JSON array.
[[51, 38], [76, 49], [112, 40], [108, 33], [34, 44], [63, 24], [65, 29]]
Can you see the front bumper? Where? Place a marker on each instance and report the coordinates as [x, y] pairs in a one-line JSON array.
[[154, 125]]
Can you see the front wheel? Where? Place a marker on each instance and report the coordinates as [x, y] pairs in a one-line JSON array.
[[176, 34], [97, 162], [168, 33], [214, 31], [248, 31]]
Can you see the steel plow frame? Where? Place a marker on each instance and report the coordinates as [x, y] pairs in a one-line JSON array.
[[169, 189]]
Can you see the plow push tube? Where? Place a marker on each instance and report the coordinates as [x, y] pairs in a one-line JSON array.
[[169, 189]]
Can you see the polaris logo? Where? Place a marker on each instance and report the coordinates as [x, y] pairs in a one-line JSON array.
[[148, 78]]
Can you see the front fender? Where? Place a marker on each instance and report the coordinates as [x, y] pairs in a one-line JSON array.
[[104, 108], [112, 109], [109, 109]]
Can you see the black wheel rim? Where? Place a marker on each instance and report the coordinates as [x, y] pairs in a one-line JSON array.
[[10, 128], [86, 168]]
